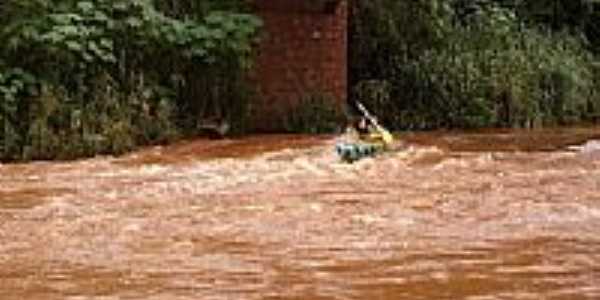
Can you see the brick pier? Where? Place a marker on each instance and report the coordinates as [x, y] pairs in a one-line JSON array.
[[303, 50]]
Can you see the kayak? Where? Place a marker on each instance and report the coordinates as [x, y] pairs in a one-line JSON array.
[[351, 152], [359, 145]]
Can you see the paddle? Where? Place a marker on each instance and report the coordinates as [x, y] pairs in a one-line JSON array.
[[388, 138]]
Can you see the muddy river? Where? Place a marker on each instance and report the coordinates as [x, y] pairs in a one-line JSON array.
[[473, 216]]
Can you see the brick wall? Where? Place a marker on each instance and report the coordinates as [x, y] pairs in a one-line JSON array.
[[303, 50]]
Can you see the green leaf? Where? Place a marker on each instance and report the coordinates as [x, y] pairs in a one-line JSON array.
[[109, 58], [74, 46], [28, 78], [170, 37], [178, 26], [209, 44], [120, 6], [133, 22], [14, 42], [67, 30], [30, 32], [16, 86], [87, 57], [65, 19], [230, 25], [4, 90], [85, 6], [199, 33], [100, 16], [94, 48], [218, 34], [10, 98], [214, 18], [106, 43]]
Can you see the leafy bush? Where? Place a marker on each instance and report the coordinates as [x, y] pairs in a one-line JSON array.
[[13, 84], [474, 64], [79, 78], [315, 113]]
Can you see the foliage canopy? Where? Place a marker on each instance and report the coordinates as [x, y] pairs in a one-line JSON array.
[[105, 75], [436, 63]]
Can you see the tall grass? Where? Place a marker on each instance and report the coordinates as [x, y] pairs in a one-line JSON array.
[[428, 64]]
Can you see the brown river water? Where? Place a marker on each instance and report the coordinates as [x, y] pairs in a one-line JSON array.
[[473, 216]]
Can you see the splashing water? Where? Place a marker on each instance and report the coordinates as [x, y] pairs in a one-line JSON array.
[[494, 215]]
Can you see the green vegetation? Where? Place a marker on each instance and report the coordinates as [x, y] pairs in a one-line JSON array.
[[437, 63], [78, 78], [86, 77], [315, 113]]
